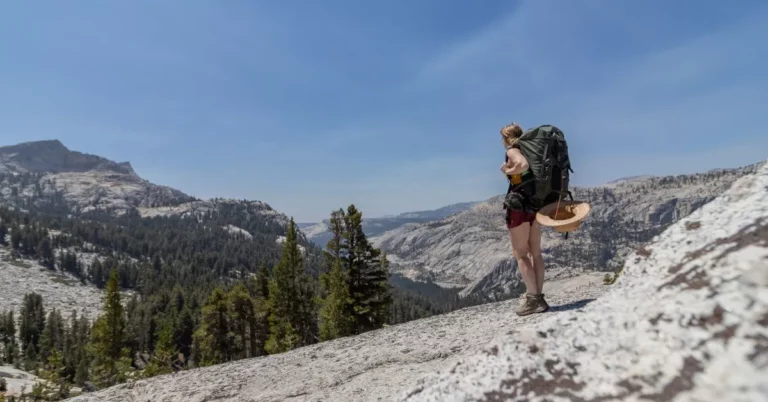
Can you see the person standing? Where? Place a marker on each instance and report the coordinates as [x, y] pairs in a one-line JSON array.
[[524, 231]]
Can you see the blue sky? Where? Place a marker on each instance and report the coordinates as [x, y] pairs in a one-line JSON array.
[[394, 106]]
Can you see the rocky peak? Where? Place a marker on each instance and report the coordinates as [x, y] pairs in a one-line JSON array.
[[84, 181], [36, 146], [51, 156]]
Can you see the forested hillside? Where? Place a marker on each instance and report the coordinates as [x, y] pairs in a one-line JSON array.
[[202, 293], [188, 282]]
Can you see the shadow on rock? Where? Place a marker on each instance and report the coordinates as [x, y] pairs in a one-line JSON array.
[[571, 306]]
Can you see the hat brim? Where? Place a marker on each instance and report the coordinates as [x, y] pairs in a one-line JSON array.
[[576, 211]]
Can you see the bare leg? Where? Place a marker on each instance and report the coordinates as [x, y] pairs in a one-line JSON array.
[[534, 245], [519, 238]]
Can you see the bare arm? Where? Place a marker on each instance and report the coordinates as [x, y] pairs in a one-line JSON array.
[[517, 163]]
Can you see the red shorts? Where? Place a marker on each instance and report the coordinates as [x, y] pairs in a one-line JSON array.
[[517, 218]]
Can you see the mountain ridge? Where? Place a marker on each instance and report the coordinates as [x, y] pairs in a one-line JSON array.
[[319, 233], [52, 156]]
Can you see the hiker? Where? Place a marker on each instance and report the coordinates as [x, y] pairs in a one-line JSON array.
[[524, 231]]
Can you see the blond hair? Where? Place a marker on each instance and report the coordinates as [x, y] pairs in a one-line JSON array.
[[511, 134]]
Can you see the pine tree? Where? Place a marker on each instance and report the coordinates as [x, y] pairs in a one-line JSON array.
[[261, 283], [382, 292], [52, 337], [45, 253], [285, 297], [368, 276], [307, 313], [183, 336], [32, 321], [81, 374], [111, 360], [96, 273], [260, 328], [213, 339], [30, 358], [69, 351], [165, 352], [8, 349], [16, 237], [53, 387], [334, 314], [82, 337], [241, 309], [335, 318]]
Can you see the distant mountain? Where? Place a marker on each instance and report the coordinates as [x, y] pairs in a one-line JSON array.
[[627, 179], [436, 213], [51, 156], [318, 232], [32, 170]]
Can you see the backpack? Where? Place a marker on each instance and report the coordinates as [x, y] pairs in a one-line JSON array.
[[549, 170]]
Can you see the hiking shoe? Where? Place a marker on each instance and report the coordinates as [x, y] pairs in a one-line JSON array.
[[529, 304], [542, 303]]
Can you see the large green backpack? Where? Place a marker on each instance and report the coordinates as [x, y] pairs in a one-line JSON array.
[[546, 150]]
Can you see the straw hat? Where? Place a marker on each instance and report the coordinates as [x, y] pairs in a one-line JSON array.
[[569, 215]]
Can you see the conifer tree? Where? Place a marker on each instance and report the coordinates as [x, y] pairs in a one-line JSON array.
[[213, 339], [307, 314], [30, 358], [81, 374], [260, 328], [52, 337], [284, 297], [335, 318], [261, 283], [382, 292], [241, 309], [45, 253], [82, 337], [8, 349], [368, 285], [111, 360], [165, 352], [183, 336], [53, 387], [11, 353], [16, 237], [32, 321], [70, 347], [97, 273], [334, 314]]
